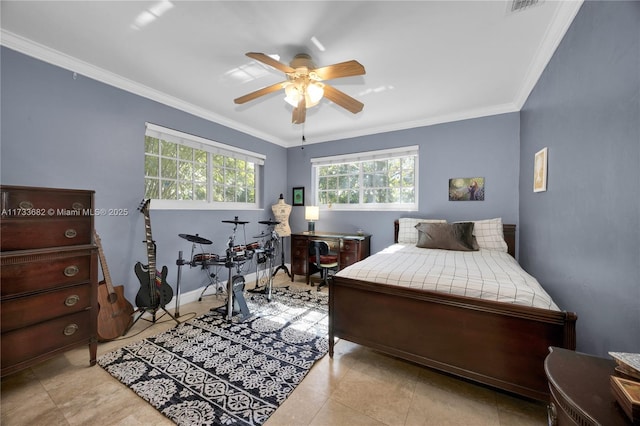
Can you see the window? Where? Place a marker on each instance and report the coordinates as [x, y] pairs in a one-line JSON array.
[[186, 171], [376, 180]]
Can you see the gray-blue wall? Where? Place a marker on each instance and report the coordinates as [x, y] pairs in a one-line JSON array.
[[62, 132], [484, 147], [581, 238]]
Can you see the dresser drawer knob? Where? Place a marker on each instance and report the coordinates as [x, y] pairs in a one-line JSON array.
[[71, 270], [70, 329], [77, 205], [72, 300], [27, 205], [70, 233]]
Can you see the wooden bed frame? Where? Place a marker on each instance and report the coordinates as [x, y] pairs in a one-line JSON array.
[[494, 343]]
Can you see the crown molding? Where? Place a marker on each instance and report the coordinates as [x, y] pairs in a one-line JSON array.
[[560, 23], [62, 60]]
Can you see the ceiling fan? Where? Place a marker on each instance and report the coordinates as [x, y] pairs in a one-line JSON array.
[[304, 86]]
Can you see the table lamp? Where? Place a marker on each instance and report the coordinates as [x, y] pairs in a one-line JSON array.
[[311, 214]]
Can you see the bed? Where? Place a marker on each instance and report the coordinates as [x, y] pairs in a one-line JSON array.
[[492, 342]]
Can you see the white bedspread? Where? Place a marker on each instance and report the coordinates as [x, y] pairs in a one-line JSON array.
[[485, 274]]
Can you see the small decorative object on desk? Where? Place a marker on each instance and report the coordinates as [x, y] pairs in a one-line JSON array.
[[627, 392], [628, 364]]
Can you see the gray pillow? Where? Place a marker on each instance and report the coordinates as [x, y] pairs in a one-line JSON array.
[[447, 236]]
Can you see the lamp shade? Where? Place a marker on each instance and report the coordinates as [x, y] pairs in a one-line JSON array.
[[312, 213]]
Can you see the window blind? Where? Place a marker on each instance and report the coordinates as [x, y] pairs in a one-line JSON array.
[[366, 156], [192, 141]]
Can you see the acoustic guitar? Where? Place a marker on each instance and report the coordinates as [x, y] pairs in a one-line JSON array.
[[154, 290], [115, 313]]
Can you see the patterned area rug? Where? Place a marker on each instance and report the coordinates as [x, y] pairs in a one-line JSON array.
[[210, 372]]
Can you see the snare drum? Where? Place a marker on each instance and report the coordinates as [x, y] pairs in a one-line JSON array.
[[253, 246], [204, 258]]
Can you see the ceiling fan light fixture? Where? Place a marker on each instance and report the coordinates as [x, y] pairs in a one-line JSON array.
[[312, 95], [292, 94], [315, 92]]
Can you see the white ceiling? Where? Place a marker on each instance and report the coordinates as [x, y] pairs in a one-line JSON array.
[[426, 62]]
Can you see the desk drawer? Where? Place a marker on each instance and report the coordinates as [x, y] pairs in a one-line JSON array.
[[41, 339], [33, 233], [350, 253], [299, 255], [48, 269], [25, 311]]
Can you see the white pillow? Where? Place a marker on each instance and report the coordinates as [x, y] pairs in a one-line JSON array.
[[489, 234], [407, 232]]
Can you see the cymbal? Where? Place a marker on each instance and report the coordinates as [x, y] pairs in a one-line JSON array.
[[262, 235], [236, 221], [269, 222], [194, 238]]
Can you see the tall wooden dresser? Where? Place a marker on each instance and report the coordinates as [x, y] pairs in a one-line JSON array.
[[48, 274]]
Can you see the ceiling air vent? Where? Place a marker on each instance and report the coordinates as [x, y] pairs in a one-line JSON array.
[[517, 5]]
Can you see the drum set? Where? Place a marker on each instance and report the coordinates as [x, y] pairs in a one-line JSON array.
[[235, 258]]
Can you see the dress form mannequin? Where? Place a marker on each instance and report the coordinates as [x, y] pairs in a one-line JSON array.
[[281, 212]]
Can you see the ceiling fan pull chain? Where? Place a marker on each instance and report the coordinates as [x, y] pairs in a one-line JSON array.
[[303, 138]]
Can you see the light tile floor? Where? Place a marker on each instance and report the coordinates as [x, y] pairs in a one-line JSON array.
[[357, 386]]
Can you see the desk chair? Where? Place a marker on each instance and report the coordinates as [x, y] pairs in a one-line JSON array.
[[322, 259]]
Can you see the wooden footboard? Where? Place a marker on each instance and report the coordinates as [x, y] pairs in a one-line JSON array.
[[494, 343]]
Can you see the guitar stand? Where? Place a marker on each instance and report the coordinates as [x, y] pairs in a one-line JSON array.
[[282, 265], [152, 311]]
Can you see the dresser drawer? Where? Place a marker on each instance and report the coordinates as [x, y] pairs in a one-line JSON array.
[[43, 199], [38, 341], [23, 274], [30, 310], [34, 233]]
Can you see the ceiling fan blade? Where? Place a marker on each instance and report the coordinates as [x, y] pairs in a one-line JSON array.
[[264, 91], [300, 112], [265, 59], [342, 99], [343, 69]]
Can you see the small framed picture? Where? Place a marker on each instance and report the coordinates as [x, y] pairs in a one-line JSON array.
[[466, 189], [298, 196], [540, 171]]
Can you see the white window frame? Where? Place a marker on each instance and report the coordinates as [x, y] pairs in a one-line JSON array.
[[383, 154], [212, 148]]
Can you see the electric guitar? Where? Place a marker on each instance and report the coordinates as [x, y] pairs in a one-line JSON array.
[[154, 290], [115, 313]]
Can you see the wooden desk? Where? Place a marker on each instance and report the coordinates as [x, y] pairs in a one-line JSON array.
[[581, 391], [351, 248]]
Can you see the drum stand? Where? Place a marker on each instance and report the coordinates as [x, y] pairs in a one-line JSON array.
[[181, 261], [265, 275], [213, 281], [235, 284]]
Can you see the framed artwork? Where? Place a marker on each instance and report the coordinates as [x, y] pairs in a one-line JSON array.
[[298, 196], [466, 189], [540, 171]]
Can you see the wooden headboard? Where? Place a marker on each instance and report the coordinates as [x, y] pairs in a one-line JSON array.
[[509, 231]]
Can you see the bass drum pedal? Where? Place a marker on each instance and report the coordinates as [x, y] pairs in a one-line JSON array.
[[239, 303]]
